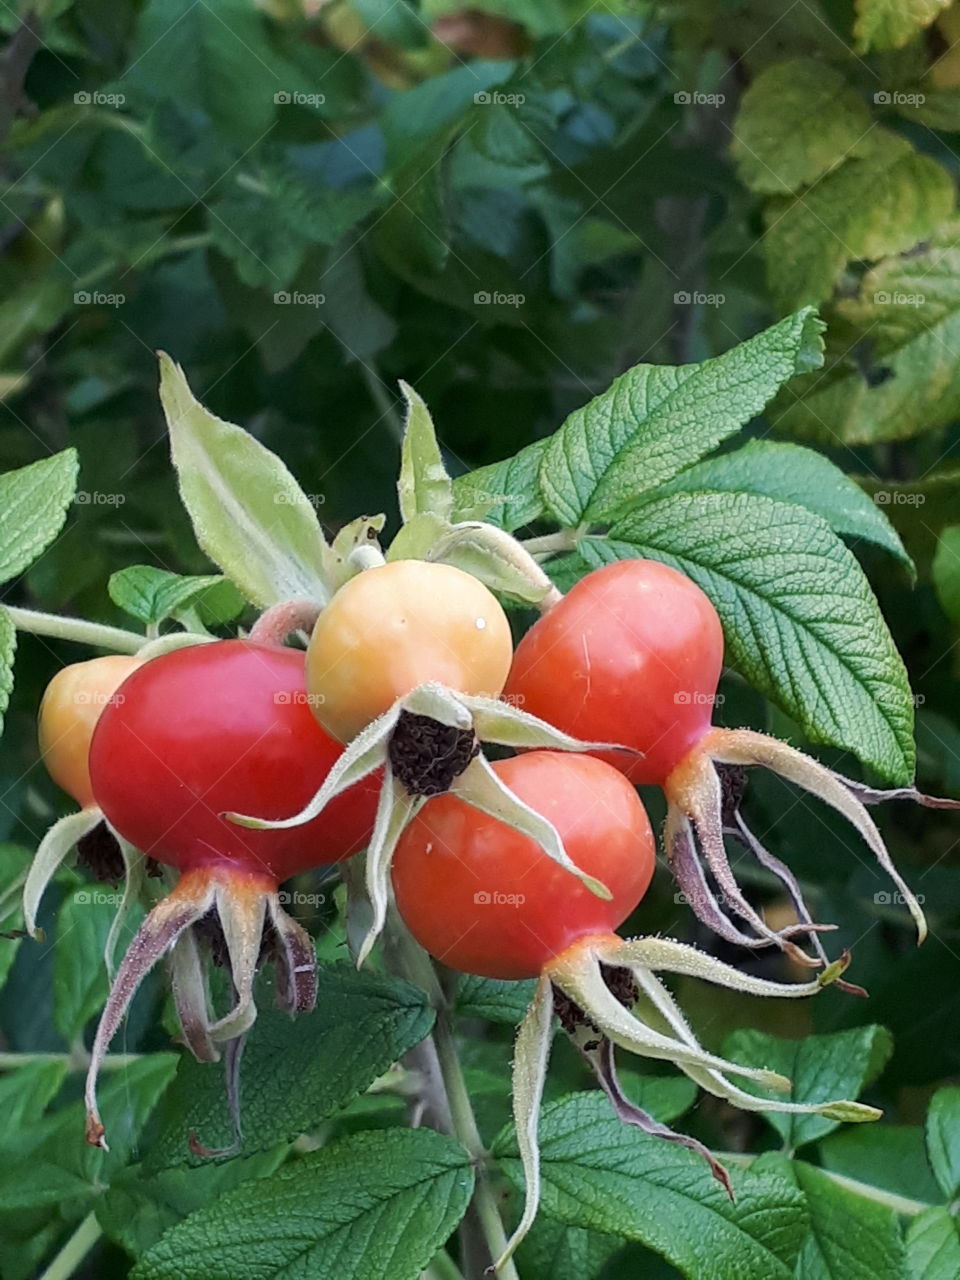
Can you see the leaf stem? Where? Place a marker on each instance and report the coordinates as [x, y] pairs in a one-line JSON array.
[[443, 1267], [79, 629], [899, 1204], [413, 963], [551, 543], [71, 1256]]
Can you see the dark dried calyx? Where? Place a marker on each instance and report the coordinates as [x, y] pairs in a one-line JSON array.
[[426, 756], [99, 853]]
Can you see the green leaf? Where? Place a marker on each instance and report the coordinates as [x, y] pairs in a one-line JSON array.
[[374, 1204], [884, 201], [889, 1156], [551, 1249], [33, 507], [933, 1246], [654, 420], [851, 1237], [799, 618], [424, 486], [214, 59], [906, 314], [797, 121], [792, 474], [604, 1176], [295, 1074], [507, 493], [25, 1094], [249, 514], [150, 595], [839, 1065], [136, 1210], [80, 981], [493, 999], [890, 24], [8, 647], [665, 1097], [946, 571], [943, 1139]]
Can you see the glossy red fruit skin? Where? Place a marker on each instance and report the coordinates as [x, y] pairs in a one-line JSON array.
[[487, 900], [632, 654], [218, 727]]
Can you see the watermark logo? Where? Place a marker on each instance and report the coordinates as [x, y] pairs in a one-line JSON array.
[[97, 898], [893, 98], [898, 299], [293, 98], [82, 298], [294, 898], [296, 299], [694, 98], [97, 698], [298, 697], [496, 299], [299, 499], [894, 898], [697, 698], [493, 98], [895, 498], [684, 299], [493, 898], [94, 98], [94, 498]]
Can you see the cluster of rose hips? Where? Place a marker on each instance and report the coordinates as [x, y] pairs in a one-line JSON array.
[[240, 763]]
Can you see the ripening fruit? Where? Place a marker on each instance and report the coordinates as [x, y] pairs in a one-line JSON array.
[[395, 627], [203, 730], [484, 898], [71, 706], [632, 655], [216, 727]]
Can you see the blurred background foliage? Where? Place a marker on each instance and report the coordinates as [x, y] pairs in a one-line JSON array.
[[506, 206]]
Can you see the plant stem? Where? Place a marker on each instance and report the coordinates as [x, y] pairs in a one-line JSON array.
[[94, 633], [72, 1254], [73, 1061], [443, 1267], [412, 962], [550, 543]]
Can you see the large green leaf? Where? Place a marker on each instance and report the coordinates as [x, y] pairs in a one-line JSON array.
[[907, 308], [655, 420], [375, 1204], [792, 474], [604, 1176], [797, 121], [946, 571], [552, 1249], [822, 1067], [33, 507], [883, 202], [507, 493], [943, 1139], [249, 514], [933, 1246], [851, 1237], [889, 24], [295, 1074], [80, 982], [798, 615]]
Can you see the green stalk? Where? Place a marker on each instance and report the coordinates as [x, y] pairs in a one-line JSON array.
[[94, 633], [410, 961], [71, 1256]]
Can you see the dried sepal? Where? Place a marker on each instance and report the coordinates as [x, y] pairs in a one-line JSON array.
[[395, 809], [241, 905], [530, 1059], [873, 795], [188, 985], [295, 961], [746, 747], [59, 840], [190, 900], [134, 877], [480, 787], [577, 972]]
